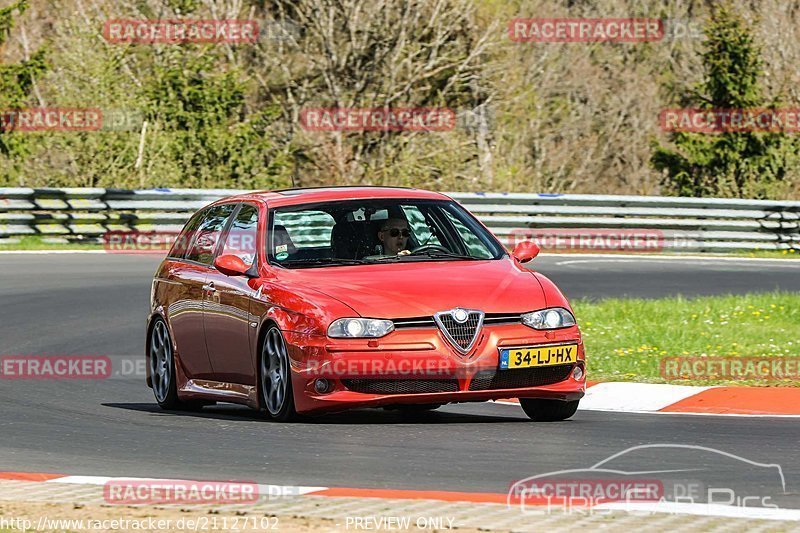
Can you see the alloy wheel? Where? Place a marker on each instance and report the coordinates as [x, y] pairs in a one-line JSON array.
[[274, 372]]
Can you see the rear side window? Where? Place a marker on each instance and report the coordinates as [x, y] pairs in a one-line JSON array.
[[208, 233], [241, 238], [181, 244]]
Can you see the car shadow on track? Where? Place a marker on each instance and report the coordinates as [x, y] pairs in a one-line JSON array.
[[357, 416]]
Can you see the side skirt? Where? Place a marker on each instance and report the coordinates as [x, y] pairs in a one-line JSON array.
[[201, 389]]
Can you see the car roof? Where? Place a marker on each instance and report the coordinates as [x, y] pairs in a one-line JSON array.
[[307, 195]]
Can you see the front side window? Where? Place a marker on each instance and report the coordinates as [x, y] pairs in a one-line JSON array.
[[208, 233], [371, 231], [475, 246], [241, 238]]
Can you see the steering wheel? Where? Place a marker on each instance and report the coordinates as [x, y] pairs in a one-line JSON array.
[[431, 247]]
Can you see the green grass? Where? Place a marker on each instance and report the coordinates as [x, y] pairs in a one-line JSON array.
[[769, 254], [36, 243], [627, 338]]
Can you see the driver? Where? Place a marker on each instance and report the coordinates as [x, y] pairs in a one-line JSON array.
[[394, 236]]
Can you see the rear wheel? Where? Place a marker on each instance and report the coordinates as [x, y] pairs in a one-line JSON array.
[[548, 410], [162, 372], [275, 378], [162, 367]]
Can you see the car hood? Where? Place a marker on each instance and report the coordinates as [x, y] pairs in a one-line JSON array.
[[405, 290]]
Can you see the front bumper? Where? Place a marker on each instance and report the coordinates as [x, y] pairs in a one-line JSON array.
[[417, 366]]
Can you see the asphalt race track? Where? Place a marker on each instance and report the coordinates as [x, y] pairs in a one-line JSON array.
[[95, 304]]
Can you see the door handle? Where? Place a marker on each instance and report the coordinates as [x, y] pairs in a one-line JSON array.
[[209, 287]]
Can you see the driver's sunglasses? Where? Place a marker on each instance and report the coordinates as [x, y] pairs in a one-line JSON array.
[[396, 232]]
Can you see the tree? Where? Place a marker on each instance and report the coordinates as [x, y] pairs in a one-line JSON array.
[[379, 54], [16, 80], [730, 164]]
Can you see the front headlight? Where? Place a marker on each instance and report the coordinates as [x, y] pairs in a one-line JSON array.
[[553, 318], [359, 328]]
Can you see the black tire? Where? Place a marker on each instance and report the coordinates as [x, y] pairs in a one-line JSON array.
[[168, 398], [276, 396], [548, 410], [162, 367]]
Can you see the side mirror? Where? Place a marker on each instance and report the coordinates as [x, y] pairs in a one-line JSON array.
[[524, 251], [231, 265]]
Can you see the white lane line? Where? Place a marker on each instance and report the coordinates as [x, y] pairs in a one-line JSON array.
[[263, 490], [682, 413], [674, 257], [702, 509], [638, 396], [692, 261], [676, 413], [81, 480], [49, 252]]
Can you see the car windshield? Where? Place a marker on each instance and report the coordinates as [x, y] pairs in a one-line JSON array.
[[372, 231]]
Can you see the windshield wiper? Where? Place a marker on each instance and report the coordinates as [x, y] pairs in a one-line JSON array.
[[322, 261], [439, 253], [426, 253]]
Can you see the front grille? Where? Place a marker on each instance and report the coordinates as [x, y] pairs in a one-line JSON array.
[[428, 322], [417, 322], [401, 386], [462, 335], [519, 378], [501, 318]]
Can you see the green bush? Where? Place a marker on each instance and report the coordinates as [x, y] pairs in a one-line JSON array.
[[729, 164]]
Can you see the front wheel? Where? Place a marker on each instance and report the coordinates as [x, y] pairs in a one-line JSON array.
[[548, 410], [275, 378]]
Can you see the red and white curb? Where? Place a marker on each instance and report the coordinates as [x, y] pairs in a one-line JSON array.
[[273, 492], [690, 400], [269, 491]]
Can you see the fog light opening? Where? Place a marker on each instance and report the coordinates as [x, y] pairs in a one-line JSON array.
[[322, 386], [577, 373]]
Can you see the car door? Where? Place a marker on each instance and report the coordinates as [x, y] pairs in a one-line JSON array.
[[186, 312], [183, 281], [227, 310]]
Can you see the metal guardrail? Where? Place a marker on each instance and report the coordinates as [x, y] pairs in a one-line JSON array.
[[558, 221]]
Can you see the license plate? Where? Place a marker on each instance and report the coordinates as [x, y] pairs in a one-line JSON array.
[[538, 356]]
